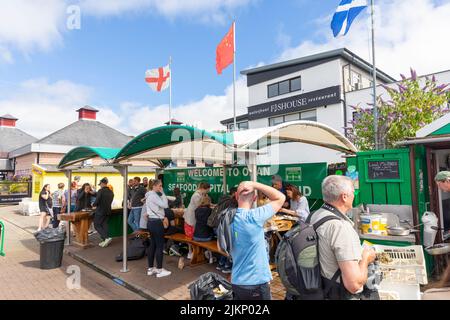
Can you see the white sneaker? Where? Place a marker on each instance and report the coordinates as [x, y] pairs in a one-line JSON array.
[[102, 244], [189, 256], [162, 273], [107, 242], [151, 271]]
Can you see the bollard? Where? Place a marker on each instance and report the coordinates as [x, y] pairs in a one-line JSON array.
[[2, 239]]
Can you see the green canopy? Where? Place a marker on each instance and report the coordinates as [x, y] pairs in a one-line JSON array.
[[162, 143], [80, 154]]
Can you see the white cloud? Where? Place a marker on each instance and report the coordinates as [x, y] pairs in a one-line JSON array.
[[205, 113], [44, 107], [408, 34], [206, 10], [29, 25]]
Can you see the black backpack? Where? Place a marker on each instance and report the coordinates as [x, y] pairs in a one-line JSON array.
[[297, 259], [225, 202]]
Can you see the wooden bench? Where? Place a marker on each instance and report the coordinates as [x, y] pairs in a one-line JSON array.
[[198, 248], [81, 221]]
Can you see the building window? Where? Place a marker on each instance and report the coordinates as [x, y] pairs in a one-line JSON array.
[[310, 115], [295, 84], [283, 87], [276, 120], [291, 117], [286, 118], [241, 126], [355, 80], [272, 90]]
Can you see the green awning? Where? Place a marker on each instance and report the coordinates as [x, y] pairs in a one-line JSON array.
[[164, 142], [80, 154]]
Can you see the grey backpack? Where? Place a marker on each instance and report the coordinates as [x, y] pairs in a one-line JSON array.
[[224, 233], [297, 259]]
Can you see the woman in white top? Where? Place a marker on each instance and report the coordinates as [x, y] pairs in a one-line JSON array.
[[298, 204], [156, 202]]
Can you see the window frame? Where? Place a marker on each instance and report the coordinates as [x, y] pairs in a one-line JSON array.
[[277, 84]]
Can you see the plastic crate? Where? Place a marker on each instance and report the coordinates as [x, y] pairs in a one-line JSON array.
[[406, 265]]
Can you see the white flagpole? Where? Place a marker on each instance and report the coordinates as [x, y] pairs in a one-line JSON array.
[[170, 90], [234, 74], [375, 109]]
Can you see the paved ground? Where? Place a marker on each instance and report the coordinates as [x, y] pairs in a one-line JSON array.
[[21, 278], [174, 287]]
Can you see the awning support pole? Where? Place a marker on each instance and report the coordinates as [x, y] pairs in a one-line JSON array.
[[124, 172], [68, 174], [250, 159], [224, 180]]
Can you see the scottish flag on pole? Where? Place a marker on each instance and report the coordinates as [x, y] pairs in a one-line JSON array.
[[345, 13]]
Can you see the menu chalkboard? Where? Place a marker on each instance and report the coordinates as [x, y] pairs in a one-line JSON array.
[[383, 169]]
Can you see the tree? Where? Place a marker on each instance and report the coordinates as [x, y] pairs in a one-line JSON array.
[[410, 108]]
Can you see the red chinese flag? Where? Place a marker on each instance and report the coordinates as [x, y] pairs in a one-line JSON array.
[[225, 50]]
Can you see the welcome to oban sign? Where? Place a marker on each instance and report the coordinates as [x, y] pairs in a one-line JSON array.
[[307, 176]]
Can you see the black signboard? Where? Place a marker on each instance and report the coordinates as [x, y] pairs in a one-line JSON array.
[[296, 103], [383, 169], [13, 192]]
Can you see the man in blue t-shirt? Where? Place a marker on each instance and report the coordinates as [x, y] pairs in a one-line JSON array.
[[251, 274]]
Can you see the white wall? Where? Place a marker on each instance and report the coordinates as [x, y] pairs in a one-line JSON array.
[[332, 116], [312, 79], [295, 152]]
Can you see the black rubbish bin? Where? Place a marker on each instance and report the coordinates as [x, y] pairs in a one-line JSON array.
[[51, 247], [51, 254]]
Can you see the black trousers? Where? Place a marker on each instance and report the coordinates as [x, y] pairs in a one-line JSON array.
[[257, 292], [156, 229], [55, 221], [101, 225]]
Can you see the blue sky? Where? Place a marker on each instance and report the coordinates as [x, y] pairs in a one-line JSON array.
[[54, 69]]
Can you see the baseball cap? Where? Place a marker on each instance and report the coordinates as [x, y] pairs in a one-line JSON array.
[[104, 180], [442, 176]]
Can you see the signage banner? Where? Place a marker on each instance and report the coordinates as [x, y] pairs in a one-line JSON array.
[[12, 192], [307, 176], [318, 98]]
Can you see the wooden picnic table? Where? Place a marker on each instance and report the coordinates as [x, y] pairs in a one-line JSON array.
[[81, 221]]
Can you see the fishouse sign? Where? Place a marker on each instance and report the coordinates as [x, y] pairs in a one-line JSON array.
[[300, 102]]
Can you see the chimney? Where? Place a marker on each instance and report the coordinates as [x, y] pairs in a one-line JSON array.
[[87, 113], [8, 120]]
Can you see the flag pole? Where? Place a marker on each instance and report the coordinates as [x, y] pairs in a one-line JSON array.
[[170, 90], [375, 109], [234, 74]]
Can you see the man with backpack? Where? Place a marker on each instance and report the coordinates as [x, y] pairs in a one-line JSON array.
[[342, 264], [251, 270]]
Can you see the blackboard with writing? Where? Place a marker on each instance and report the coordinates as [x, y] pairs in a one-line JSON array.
[[383, 169]]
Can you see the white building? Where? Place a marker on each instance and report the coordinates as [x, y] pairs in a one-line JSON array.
[[316, 88]]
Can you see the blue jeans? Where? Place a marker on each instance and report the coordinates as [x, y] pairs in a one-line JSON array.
[[134, 218], [225, 262], [202, 239]]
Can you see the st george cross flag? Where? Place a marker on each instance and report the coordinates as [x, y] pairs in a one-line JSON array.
[[225, 51], [345, 13], [158, 79]]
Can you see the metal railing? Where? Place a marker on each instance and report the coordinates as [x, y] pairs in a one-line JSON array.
[[2, 239]]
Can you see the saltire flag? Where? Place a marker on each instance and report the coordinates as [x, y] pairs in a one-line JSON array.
[[345, 13], [225, 51], [158, 79]]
